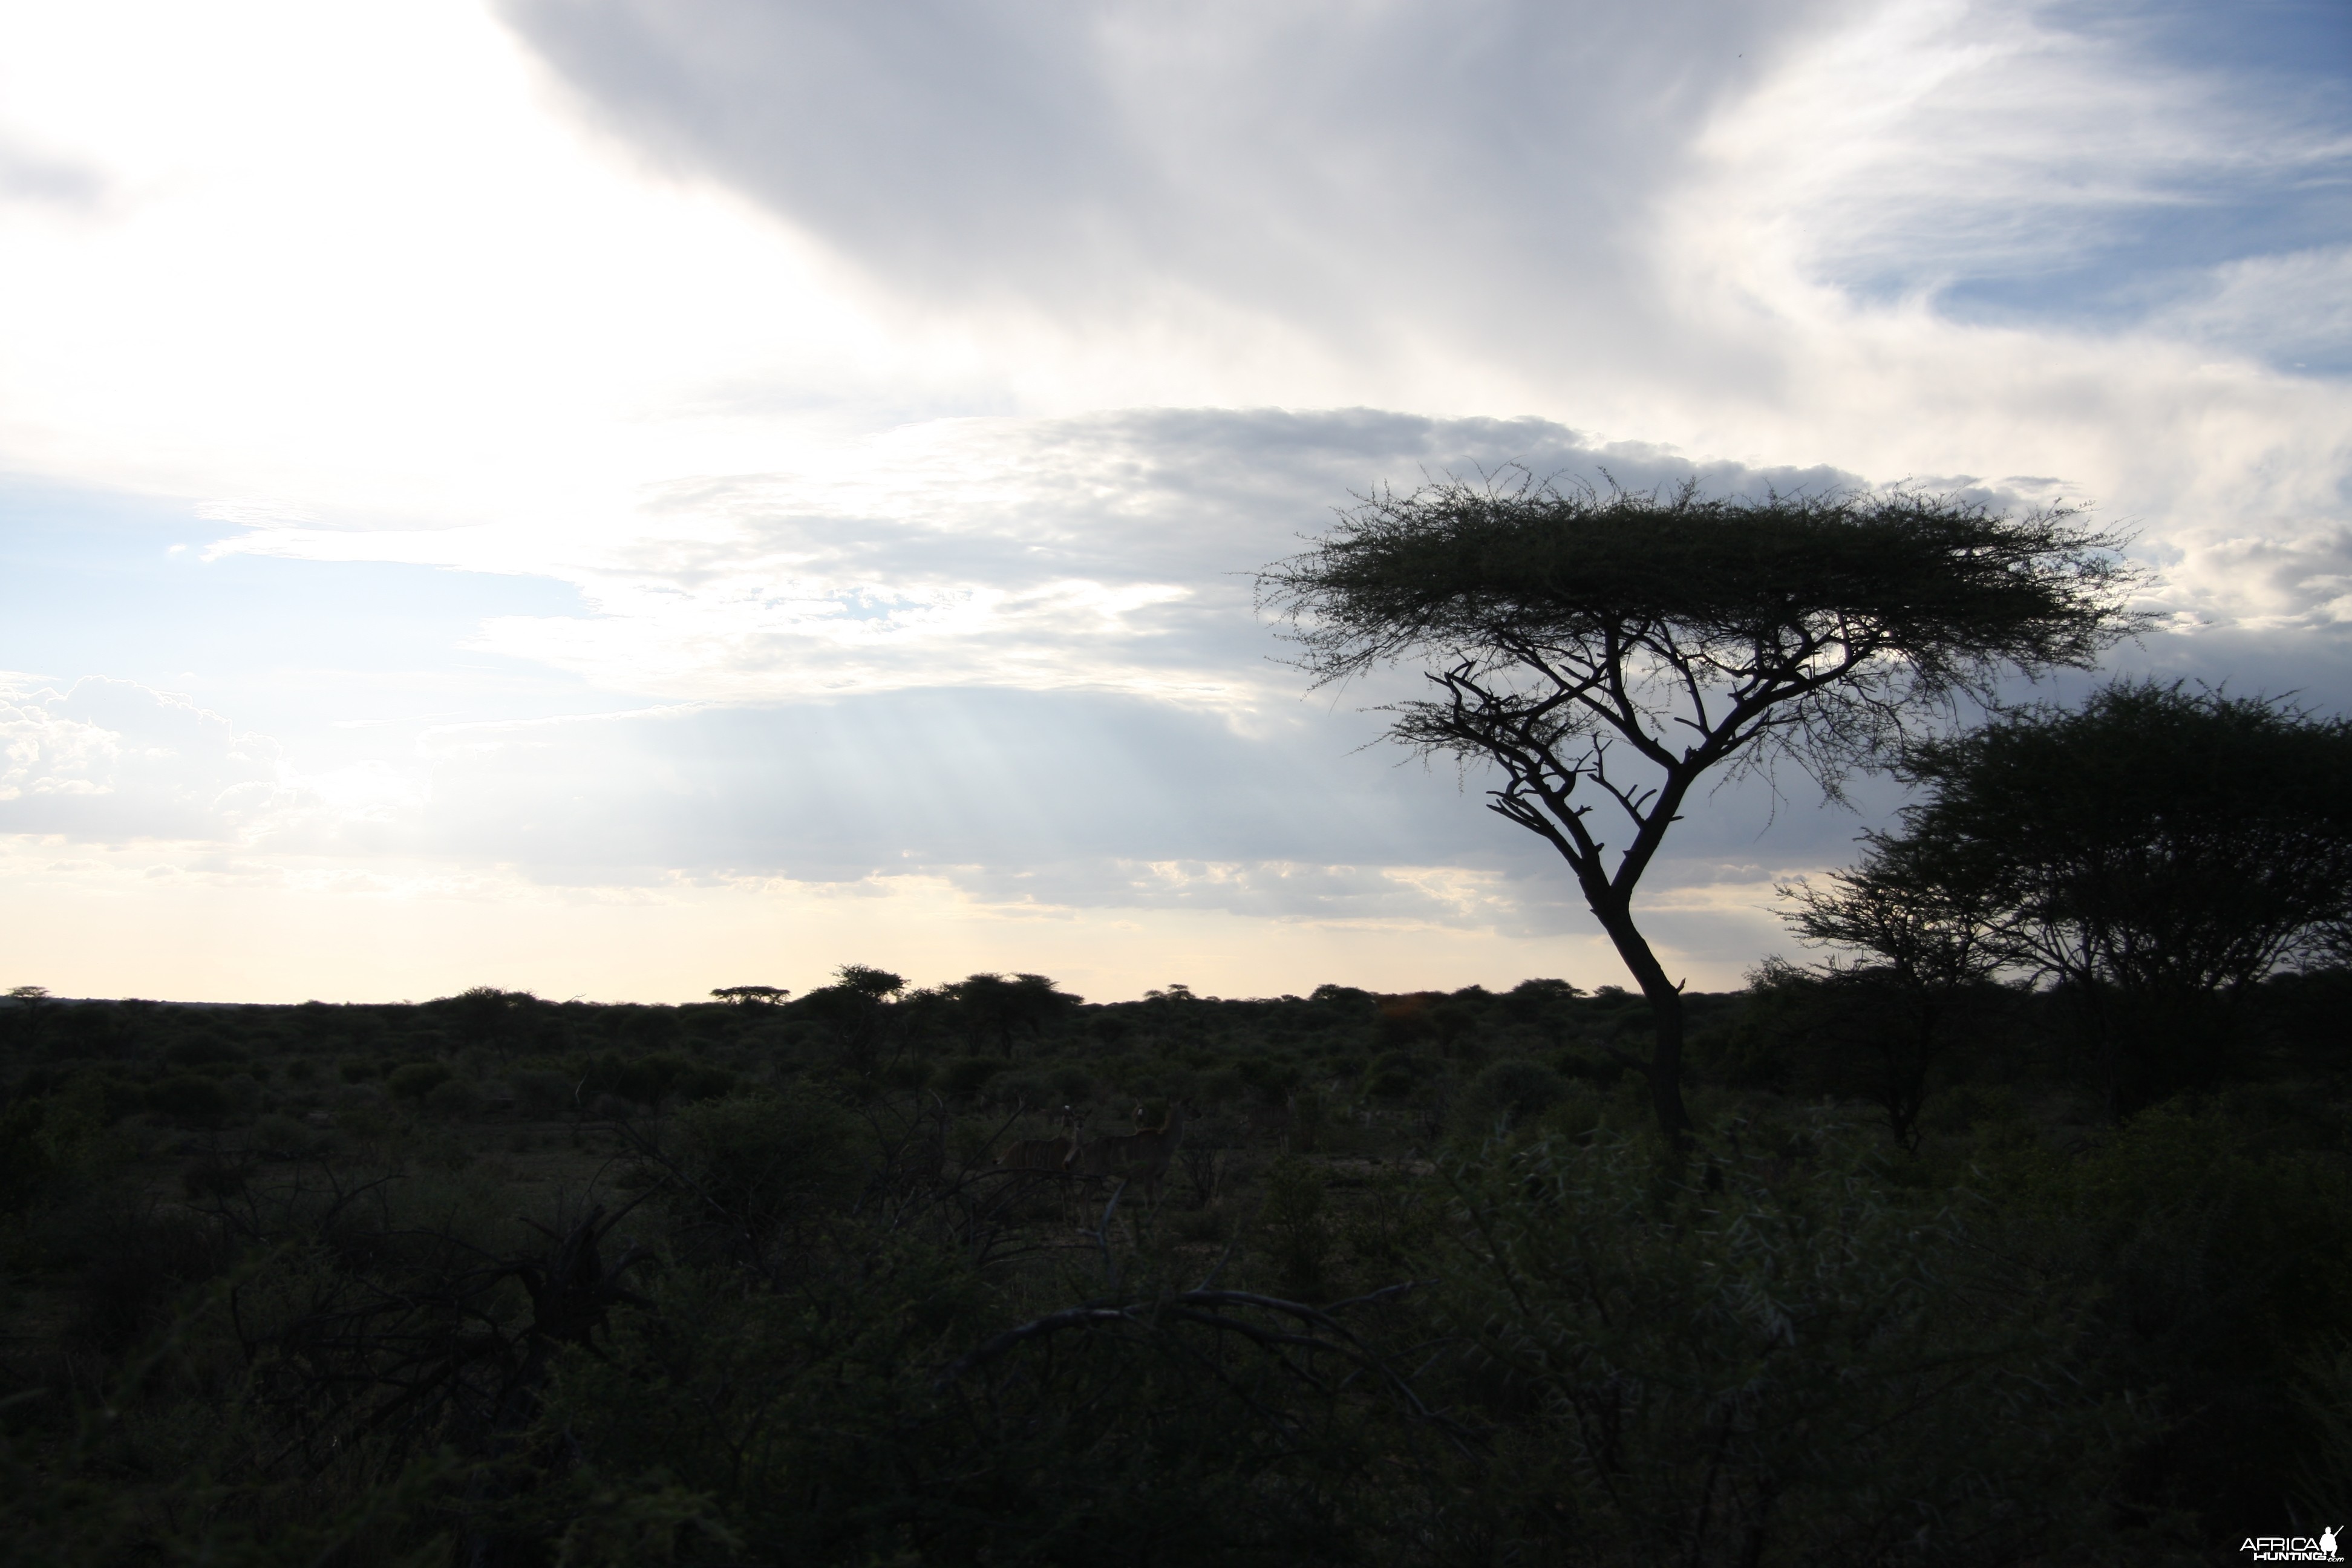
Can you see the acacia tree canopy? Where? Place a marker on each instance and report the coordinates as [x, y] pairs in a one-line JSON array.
[[1631, 643], [2154, 848], [994, 1004]]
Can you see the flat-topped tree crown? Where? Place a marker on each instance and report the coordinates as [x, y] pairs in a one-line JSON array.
[[1632, 641]]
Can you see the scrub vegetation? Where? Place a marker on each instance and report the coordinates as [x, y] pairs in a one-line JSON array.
[[494, 1279]]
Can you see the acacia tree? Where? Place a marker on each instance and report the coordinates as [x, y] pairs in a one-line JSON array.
[[1934, 945], [1606, 650], [2155, 850], [990, 1004], [854, 1006]]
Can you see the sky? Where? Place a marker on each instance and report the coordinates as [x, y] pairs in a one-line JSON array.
[[617, 498]]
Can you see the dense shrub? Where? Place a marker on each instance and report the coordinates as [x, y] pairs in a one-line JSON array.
[[2219, 1271], [965, 1076], [645, 1080], [703, 1082], [812, 1321], [754, 1171], [541, 1093], [1506, 1094], [417, 1079], [1393, 1075], [1771, 1365], [185, 1097], [26, 1166], [454, 1100], [129, 1263], [1297, 1225], [281, 1137], [243, 1092], [1008, 1089], [202, 1050]]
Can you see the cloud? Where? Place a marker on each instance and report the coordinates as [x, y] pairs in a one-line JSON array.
[[1041, 800], [1289, 161], [39, 179], [111, 761], [2237, 305], [2101, 243], [1498, 177], [1114, 552], [2060, 163]]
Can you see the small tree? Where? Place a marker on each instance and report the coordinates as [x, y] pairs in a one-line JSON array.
[[1935, 946], [993, 1004], [853, 1005], [751, 996], [488, 1018], [2155, 850], [1627, 645]]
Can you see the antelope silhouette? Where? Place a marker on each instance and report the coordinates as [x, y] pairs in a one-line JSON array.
[[1141, 1156], [1051, 1155]]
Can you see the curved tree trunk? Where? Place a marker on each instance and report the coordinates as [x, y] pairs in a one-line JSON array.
[[1664, 1068]]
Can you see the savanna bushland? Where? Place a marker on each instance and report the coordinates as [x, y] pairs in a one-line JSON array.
[[497, 1279], [2014, 1225]]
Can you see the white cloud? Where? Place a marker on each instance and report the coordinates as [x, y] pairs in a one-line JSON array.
[[1897, 238], [2294, 309], [1112, 552], [111, 761]]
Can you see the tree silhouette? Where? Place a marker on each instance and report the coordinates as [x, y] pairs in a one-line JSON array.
[[1626, 645], [2157, 851], [1932, 948], [993, 1004], [853, 1006]]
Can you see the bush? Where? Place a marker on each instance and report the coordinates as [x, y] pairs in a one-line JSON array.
[[129, 1266], [454, 1098], [747, 1426], [752, 1168], [1222, 1086], [281, 1137], [963, 1078], [214, 1175], [1393, 1075], [1031, 1090], [1754, 1362], [26, 1166], [1506, 1094], [185, 1097], [703, 1083], [243, 1091], [2222, 1273], [200, 1051], [417, 1079], [542, 1094], [1298, 1229], [642, 1081]]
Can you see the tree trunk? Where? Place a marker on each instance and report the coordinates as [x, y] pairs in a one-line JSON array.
[[1664, 1071]]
